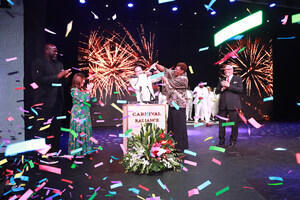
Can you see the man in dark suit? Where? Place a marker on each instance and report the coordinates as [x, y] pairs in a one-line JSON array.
[[230, 89], [48, 73]]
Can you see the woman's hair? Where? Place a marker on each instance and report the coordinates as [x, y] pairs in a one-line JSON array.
[[182, 66], [76, 81]]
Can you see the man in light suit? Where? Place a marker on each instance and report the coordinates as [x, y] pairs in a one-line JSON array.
[[229, 89]]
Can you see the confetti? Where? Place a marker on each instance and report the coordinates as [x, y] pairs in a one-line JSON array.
[[20, 88], [175, 105], [228, 124], [198, 124], [114, 16], [47, 30], [56, 84], [193, 192], [10, 59], [157, 75], [208, 138], [99, 164], [122, 101], [116, 107], [69, 28], [190, 152], [190, 162], [280, 149], [216, 161], [28, 145], [51, 169], [254, 123], [3, 161], [95, 16], [61, 117], [275, 178], [203, 49], [204, 185], [134, 190], [144, 188], [222, 191], [26, 195], [44, 127], [268, 99], [116, 185], [191, 70], [223, 118], [298, 158], [214, 148]]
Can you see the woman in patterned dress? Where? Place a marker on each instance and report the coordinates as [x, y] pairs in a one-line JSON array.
[[80, 123]]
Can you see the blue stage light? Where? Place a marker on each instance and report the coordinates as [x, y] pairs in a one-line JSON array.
[[130, 5], [213, 12], [272, 5], [231, 1], [82, 1], [174, 8]]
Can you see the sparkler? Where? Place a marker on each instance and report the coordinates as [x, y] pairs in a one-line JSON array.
[[254, 65], [110, 59]]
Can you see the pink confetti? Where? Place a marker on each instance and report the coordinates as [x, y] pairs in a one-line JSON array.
[[298, 158], [34, 85], [94, 140], [216, 161], [190, 162], [185, 169], [10, 59], [193, 192], [26, 195], [45, 150], [254, 123], [223, 118], [284, 21], [111, 135], [50, 169]]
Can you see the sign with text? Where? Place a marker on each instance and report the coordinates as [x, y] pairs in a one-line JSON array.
[[135, 115]]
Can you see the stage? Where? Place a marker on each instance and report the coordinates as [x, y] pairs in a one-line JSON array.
[[245, 168]]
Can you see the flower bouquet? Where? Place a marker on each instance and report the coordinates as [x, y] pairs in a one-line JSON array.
[[151, 150]]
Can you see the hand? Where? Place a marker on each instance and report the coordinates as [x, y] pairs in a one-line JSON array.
[[148, 74], [165, 80], [64, 73], [225, 84], [90, 86]]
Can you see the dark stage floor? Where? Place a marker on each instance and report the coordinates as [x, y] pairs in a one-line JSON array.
[[245, 169]]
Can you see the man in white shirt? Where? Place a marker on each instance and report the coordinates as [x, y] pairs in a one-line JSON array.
[[200, 102], [142, 85], [189, 105]]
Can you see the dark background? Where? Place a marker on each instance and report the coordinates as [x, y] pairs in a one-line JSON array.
[[178, 38]]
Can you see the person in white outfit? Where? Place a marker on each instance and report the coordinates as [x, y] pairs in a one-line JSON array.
[[215, 104], [200, 102], [142, 86], [209, 101], [189, 106]]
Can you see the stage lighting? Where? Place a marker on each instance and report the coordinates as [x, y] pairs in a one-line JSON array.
[[231, 1], [272, 5], [130, 5], [175, 8], [213, 12], [238, 27], [82, 1]]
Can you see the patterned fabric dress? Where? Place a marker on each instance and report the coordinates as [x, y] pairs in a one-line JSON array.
[[80, 123]]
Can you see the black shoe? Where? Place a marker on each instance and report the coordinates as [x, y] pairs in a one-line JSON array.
[[231, 144], [220, 145]]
